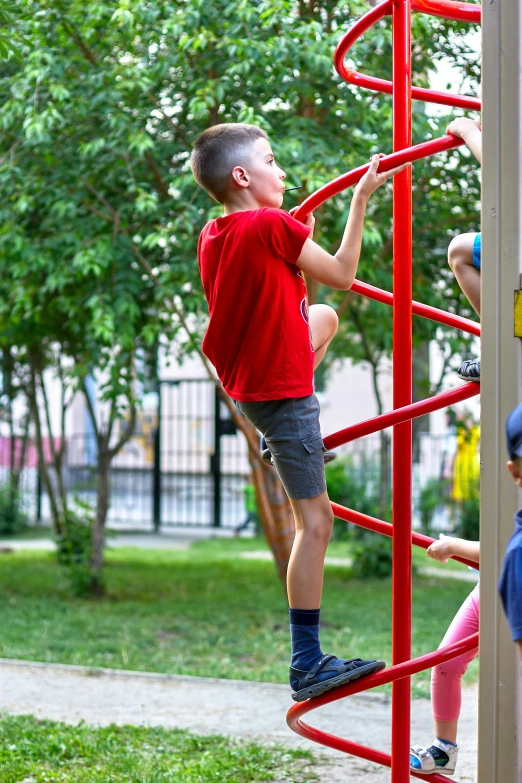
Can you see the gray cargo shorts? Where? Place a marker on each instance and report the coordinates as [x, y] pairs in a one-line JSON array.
[[293, 435]]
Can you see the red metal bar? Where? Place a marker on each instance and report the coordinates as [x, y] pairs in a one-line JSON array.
[[449, 10], [392, 674], [405, 155], [379, 526], [425, 311], [402, 393], [399, 415], [403, 308]]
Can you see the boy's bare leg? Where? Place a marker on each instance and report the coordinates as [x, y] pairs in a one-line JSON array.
[[313, 527], [313, 516], [323, 326], [311, 671], [460, 259]]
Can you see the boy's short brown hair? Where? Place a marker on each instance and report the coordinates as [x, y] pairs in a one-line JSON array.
[[217, 151]]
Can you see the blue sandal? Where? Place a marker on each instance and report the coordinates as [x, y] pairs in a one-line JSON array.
[[309, 687]]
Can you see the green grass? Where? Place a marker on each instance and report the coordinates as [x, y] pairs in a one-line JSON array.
[[204, 611], [44, 751], [224, 547]]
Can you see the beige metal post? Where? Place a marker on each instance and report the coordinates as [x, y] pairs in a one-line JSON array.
[[499, 759]]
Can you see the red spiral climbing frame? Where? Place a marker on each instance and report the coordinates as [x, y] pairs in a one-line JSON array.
[[404, 411]]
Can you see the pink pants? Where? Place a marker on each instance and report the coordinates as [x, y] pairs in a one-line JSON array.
[[446, 691]]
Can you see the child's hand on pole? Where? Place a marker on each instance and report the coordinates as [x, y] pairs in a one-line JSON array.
[[441, 550], [373, 179], [462, 126]]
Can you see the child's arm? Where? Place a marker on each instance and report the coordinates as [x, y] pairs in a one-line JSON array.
[[470, 132], [338, 271], [448, 547]]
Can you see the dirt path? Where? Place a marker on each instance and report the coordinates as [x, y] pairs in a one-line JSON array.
[[246, 710]]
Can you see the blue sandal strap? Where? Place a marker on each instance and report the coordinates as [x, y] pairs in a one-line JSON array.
[[310, 677]]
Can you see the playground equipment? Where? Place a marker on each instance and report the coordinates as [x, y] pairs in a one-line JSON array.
[[404, 411]]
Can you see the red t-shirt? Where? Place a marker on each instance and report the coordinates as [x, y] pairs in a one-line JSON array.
[[258, 337]]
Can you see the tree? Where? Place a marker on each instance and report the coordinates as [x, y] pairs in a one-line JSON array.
[[97, 128]]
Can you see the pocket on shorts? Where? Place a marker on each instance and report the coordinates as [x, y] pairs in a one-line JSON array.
[[313, 442]]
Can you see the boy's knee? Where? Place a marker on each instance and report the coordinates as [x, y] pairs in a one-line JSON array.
[[325, 317], [460, 251], [328, 520], [322, 530], [322, 525]]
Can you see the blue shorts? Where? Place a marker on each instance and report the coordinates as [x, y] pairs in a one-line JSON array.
[[477, 251], [293, 435]]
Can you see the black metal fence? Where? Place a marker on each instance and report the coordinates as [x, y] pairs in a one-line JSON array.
[[187, 466]]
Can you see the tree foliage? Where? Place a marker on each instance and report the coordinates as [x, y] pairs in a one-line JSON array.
[[100, 215]]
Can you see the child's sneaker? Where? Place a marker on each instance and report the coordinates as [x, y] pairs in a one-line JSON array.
[[469, 370], [440, 757], [329, 672]]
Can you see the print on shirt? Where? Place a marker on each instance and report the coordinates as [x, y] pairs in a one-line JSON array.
[[304, 309]]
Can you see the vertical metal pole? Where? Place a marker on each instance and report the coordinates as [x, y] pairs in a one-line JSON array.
[[499, 759], [156, 470], [216, 460], [402, 392]]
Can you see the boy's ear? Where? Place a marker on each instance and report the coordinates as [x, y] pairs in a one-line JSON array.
[[515, 473], [240, 176]]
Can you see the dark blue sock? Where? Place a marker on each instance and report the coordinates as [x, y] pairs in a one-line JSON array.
[[304, 633], [306, 648]]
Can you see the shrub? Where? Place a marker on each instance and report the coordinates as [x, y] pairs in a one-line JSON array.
[[12, 518], [469, 518], [74, 547], [433, 495], [355, 484], [372, 557]]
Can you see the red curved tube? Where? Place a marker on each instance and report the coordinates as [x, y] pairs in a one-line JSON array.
[[449, 10], [425, 311], [392, 674], [386, 529], [400, 415], [408, 155], [404, 410]]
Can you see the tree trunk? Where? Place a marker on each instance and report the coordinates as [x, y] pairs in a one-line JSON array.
[[56, 518], [383, 445], [383, 474], [421, 390], [98, 528], [275, 511], [284, 523], [273, 505]]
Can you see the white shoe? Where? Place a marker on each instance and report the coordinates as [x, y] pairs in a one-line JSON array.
[[439, 757]]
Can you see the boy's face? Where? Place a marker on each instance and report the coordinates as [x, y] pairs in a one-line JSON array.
[[263, 178]]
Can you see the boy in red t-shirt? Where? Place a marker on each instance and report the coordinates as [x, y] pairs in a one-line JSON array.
[[265, 343]]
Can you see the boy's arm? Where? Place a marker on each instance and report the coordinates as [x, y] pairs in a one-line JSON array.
[[470, 132], [339, 271], [448, 547]]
